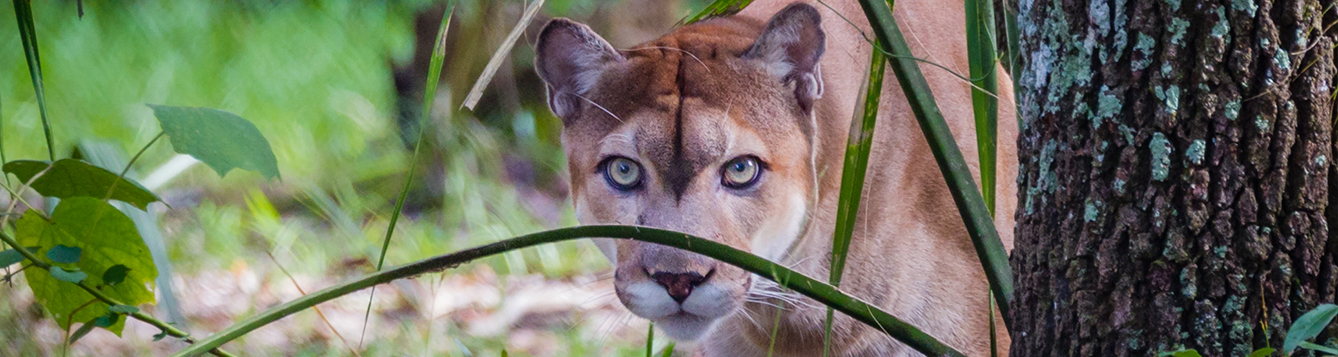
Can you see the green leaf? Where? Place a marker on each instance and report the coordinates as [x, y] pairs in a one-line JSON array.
[[970, 204], [123, 309], [103, 321], [64, 254], [83, 330], [983, 68], [650, 338], [106, 320], [1308, 326], [23, 14], [73, 276], [668, 350], [1262, 352], [1321, 348], [159, 336], [220, 139], [504, 353], [720, 8], [858, 144], [108, 238], [10, 257], [74, 178], [1181, 353], [115, 274]]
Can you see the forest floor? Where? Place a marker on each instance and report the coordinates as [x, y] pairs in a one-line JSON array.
[[315, 78]]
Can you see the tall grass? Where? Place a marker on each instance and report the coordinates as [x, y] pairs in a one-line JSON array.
[[858, 145], [970, 204], [434, 75]]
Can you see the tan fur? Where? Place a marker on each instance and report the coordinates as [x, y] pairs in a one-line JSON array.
[[910, 254]]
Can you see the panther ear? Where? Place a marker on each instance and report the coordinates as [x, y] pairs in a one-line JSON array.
[[570, 58], [790, 48]]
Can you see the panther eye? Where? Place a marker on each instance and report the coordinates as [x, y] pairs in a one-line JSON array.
[[741, 172], [622, 173]]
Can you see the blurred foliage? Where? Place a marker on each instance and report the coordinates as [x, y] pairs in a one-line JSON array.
[[323, 81]]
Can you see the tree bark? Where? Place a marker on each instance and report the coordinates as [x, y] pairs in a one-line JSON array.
[[1174, 182]]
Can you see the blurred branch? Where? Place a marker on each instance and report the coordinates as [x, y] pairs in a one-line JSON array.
[[500, 56]]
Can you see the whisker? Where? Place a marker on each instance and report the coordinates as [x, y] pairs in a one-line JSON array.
[[620, 120], [750, 318]]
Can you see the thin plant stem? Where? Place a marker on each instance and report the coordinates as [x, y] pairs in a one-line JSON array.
[[807, 286], [131, 163], [317, 308], [775, 328], [434, 74]]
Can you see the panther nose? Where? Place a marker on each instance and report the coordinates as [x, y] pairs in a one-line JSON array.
[[679, 285]]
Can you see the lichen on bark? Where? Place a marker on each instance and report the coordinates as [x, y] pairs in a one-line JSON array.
[[1176, 158]]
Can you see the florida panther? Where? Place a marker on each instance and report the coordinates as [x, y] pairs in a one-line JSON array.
[[734, 129]]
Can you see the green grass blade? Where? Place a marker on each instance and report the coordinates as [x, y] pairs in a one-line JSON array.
[[980, 50], [1011, 35], [500, 55], [23, 12], [852, 175], [434, 73], [2, 137], [668, 350], [970, 204], [650, 339], [719, 8], [994, 330], [775, 328], [822, 293]]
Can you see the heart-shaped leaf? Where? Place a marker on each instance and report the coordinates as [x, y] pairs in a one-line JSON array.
[[74, 178], [10, 257], [1262, 352], [1308, 326], [107, 238], [220, 139], [73, 276], [115, 274], [64, 254]]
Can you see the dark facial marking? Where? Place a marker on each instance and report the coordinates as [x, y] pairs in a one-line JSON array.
[[679, 172]]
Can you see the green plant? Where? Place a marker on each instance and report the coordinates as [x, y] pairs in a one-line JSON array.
[[83, 195], [85, 261], [858, 145]]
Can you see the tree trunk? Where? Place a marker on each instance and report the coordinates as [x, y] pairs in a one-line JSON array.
[[1174, 184]]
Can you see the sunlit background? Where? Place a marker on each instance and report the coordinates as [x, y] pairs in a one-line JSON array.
[[336, 88]]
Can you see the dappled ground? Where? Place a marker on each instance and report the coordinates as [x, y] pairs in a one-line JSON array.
[[439, 314], [316, 78]]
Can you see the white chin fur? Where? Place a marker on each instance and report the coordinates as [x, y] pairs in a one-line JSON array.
[[685, 327], [648, 300]]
